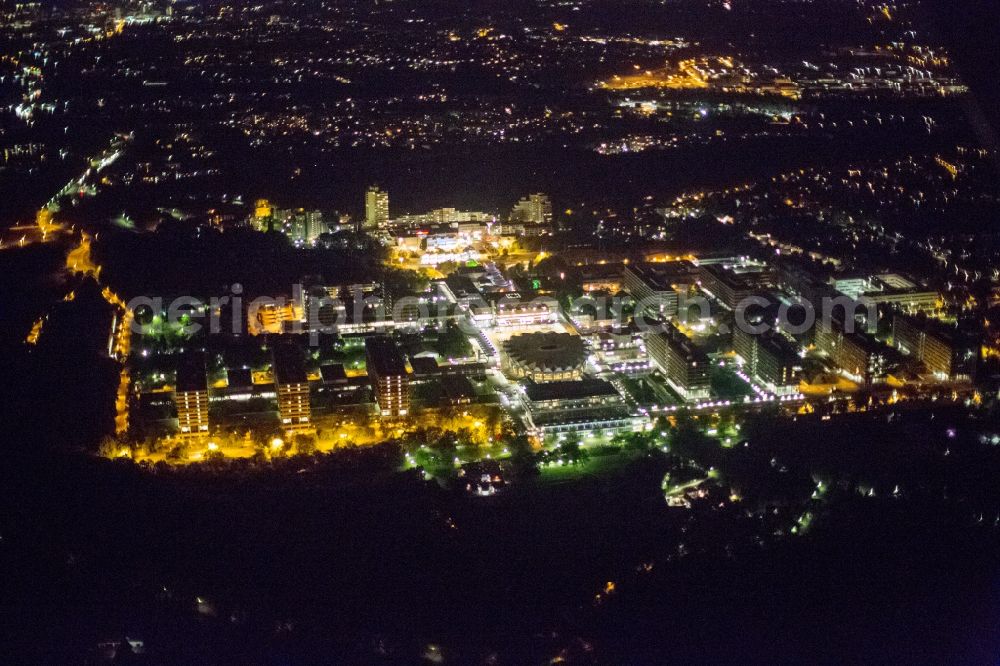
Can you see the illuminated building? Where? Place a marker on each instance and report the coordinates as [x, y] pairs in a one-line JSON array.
[[292, 388], [271, 317], [685, 367], [191, 397], [544, 357], [769, 358], [448, 216], [301, 226], [602, 277], [727, 286], [363, 309], [453, 237], [860, 356], [376, 208], [947, 352], [806, 286], [890, 289], [510, 310], [578, 406], [780, 85], [656, 286], [533, 209], [263, 215], [389, 377], [314, 225], [852, 285]]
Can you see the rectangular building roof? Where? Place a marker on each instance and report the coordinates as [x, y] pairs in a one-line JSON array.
[[569, 390], [191, 373], [384, 357], [289, 366]]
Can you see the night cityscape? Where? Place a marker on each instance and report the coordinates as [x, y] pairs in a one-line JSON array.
[[522, 332]]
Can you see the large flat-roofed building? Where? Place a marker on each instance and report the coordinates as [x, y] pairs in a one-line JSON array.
[[890, 289], [910, 301], [580, 405], [803, 284], [347, 309], [389, 376], [894, 289], [947, 352], [860, 356], [852, 284], [685, 367], [727, 286], [769, 358], [191, 397], [292, 388], [446, 216], [607, 277], [511, 310], [656, 286]]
